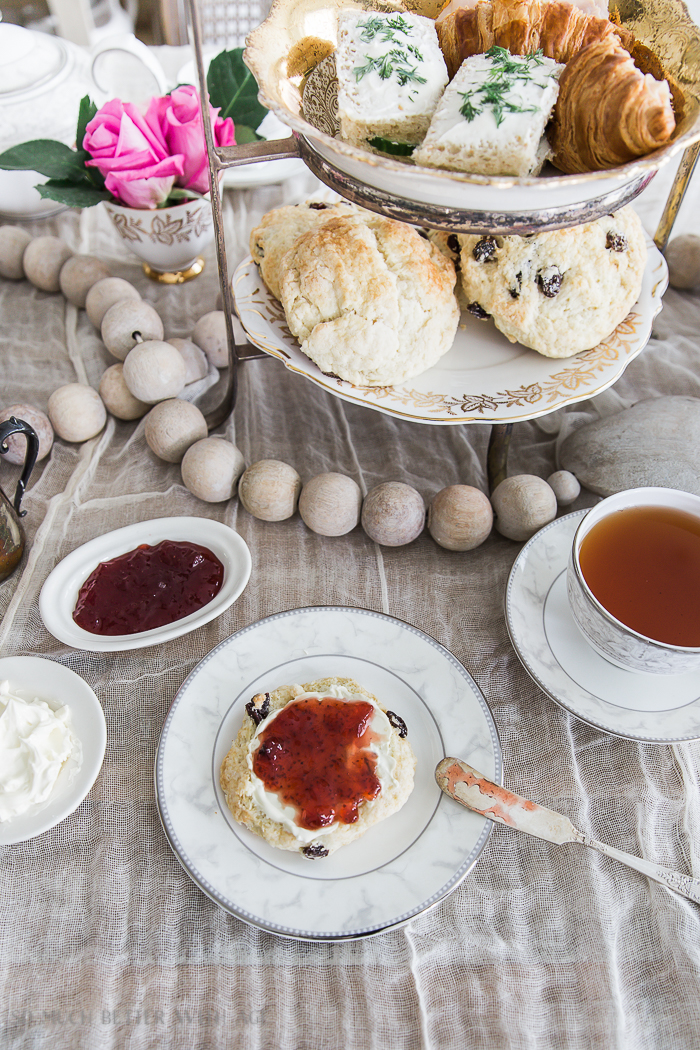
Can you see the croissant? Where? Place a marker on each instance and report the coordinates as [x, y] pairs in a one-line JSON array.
[[608, 112], [522, 26]]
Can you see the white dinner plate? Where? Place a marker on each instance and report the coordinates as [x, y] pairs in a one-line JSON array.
[[656, 708], [32, 677], [400, 867], [483, 378], [60, 591]]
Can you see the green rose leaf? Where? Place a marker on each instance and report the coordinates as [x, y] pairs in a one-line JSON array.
[[87, 111], [245, 134], [66, 192], [46, 156], [233, 88]]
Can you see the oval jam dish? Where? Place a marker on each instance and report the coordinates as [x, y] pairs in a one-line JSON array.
[[60, 593], [277, 50], [30, 678], [633, 577]]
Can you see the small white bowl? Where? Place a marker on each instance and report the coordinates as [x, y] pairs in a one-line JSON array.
[[60, 591], [611, 638], [31, 677]]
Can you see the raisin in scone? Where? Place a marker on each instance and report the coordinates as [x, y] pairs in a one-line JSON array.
[[277, 231], [314, 766], [370, 300], [558, 292]]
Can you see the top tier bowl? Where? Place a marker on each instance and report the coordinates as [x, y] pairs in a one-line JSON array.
[[455, 201]]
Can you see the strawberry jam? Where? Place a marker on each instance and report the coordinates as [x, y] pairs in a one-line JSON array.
[[147, 588], [315, 756]]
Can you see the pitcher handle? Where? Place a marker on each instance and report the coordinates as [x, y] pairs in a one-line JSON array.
[[18, 426]]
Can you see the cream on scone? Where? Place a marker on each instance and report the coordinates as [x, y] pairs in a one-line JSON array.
[[314, 766], [492, 116], [391, 74]]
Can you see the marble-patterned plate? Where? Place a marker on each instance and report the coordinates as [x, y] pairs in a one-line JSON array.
[[400, 867], [654, 708], [483, 378]]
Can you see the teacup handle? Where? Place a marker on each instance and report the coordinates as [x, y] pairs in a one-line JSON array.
[[18, 426]]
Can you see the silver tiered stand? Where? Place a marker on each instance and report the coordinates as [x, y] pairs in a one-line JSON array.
[[455, 221]]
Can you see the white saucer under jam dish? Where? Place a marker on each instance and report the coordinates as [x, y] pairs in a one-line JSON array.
[[32, 677], [654, 708], [59, 594], [483, 378], [400, 867]]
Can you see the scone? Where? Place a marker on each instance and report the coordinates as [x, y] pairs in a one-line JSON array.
[[370, 300], [558, 292], [314, 766], [277, 231]]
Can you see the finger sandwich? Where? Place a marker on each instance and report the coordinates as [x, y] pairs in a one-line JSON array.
[[391, 74], [491, 118]]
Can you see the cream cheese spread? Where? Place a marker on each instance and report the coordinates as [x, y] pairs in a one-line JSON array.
[[492, 117], [389, 66], [269, 802], [35, 742]]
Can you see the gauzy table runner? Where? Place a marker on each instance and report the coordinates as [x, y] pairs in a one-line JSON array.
[[106, 942]]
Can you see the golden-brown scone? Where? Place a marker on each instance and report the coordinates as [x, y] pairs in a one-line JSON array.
[[243, 801], [608, 112], [522, 26]]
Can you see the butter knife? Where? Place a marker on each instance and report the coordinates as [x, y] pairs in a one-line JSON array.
[[473, 790]]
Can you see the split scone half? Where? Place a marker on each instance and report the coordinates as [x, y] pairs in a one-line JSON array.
[[558, 292], [314, 766]]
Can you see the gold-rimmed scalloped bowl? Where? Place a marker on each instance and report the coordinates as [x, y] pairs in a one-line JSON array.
[[503, 202]]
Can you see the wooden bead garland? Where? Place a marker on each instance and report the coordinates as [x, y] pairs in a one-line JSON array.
[[522, 505], [393, 514], [270, 489]]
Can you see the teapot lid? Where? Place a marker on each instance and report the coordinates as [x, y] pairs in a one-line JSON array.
[[28, 59]]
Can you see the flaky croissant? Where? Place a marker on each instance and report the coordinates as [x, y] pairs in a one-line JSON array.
[[608, 112], [522, 26]]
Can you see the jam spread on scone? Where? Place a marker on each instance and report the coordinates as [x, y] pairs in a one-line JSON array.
[[315, 756]]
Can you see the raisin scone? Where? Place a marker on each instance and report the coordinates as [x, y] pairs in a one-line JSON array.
[[558, 292], [370, 300], [314, 766], [278, 229]]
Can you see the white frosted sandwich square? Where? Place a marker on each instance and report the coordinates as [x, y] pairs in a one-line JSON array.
[[391, 75], [492, 117]]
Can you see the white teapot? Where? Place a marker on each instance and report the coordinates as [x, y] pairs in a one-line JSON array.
[[42, 80]]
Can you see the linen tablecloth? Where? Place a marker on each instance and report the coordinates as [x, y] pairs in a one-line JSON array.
[[106, 942]]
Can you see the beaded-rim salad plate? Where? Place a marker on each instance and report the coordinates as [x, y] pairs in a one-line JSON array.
[[400, 867], [654, 708], [483, 378]]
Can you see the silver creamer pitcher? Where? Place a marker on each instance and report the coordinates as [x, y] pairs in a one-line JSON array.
[[12, 538]]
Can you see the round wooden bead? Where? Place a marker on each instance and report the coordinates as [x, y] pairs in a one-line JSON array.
[[196, 364], [77, 276], [43, 259], [565, 486], [172, 426], [393, 514], [683, 258], [76, 412], [105, 293], [522, 505], [17, 443], [210, 335], [330, 504], [118, 398], [127, 323], [211, 468], [269, 490], [460, 517], [154, 371], [13, 244]]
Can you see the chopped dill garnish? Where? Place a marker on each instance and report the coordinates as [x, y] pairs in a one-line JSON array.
[[506, 70]]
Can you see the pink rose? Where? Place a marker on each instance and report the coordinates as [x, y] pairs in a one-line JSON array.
[[138, 165], [179, 120]]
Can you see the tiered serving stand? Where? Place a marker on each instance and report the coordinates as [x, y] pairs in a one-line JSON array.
[[448, 201]]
